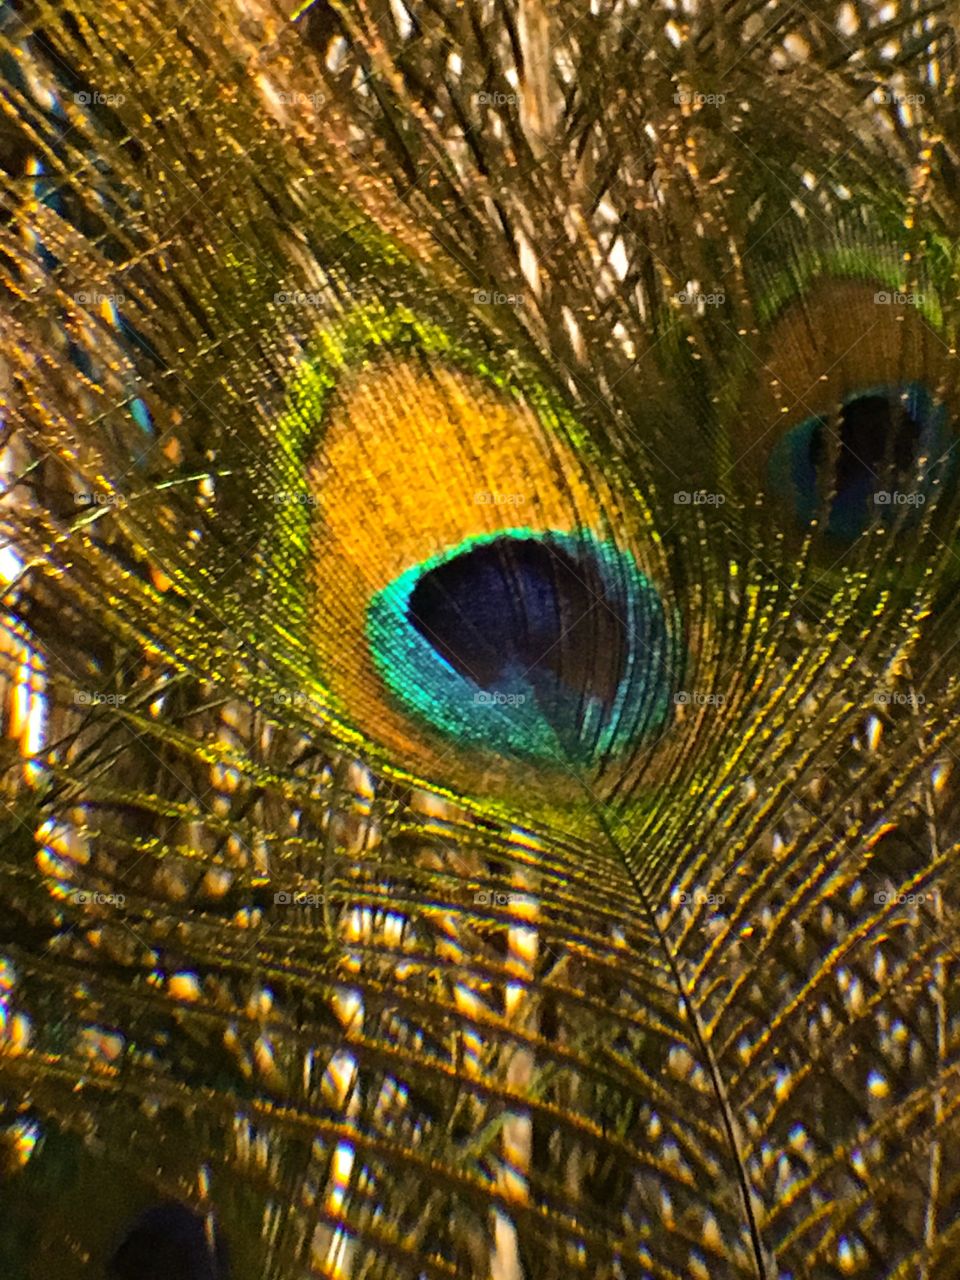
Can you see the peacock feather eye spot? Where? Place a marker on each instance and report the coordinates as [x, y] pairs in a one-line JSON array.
[[883, 436], [541, 645]]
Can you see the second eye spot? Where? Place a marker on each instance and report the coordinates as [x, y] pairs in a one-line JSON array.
[[880, 452]]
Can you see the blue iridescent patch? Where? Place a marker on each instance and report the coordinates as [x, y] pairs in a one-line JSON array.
[[892, 441], [546, 646]]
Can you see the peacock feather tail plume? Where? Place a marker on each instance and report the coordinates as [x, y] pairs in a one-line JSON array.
[[480, 680]]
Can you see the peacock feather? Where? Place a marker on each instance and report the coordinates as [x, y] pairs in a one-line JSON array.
[[479, 656]]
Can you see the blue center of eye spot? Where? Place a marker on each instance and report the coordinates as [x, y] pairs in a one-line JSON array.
[[539, 645], [883, 433]]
